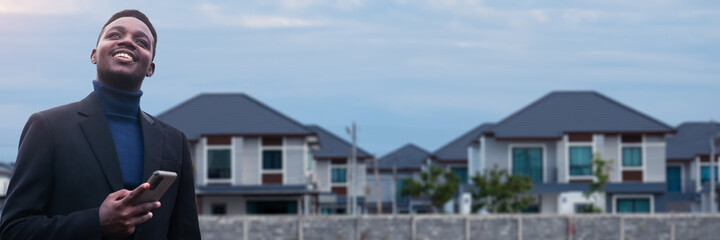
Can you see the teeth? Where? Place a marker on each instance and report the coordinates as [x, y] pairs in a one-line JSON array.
[[123, 55]]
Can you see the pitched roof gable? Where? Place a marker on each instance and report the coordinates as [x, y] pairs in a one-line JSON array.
[[408, 157], [457, 149], [691, 139], [576, 111], [332, 146], [231, 114]]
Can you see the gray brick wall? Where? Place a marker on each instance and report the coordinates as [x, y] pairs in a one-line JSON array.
[[451, 227]]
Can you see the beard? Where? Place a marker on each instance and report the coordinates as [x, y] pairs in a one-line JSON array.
[[121, 81]]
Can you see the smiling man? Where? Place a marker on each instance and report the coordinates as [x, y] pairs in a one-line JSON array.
[[81, 166]]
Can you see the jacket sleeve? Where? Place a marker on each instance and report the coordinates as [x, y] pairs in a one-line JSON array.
[[184, 220], [30, 191]]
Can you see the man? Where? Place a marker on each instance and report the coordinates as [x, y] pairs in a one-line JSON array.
[[80, 166]]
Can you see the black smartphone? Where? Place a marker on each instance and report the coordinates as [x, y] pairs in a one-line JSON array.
[[160, 181]]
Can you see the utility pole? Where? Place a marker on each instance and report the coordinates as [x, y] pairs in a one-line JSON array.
[[713, 202], [353, 163], [378, 198], [394, 185]]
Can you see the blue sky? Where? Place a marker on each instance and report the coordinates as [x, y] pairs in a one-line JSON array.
[[422, 71]]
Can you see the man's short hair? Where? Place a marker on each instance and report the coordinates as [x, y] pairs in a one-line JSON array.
[[135, 14]]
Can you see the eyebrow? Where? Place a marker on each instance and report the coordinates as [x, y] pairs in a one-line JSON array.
[[122, 29]]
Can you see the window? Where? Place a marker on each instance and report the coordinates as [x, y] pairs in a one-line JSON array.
[[324, 211], [580, 161], [632, 156], [633, 205], [705, 174], [398, 191], [219, 209], [308, 161], [528, 161], [272, 159], [584, 208], [461, 173], [219, 165], [673, 179], [339, 175], [272, 207], [531, 209]]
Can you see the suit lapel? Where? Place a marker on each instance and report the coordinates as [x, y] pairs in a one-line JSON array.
[[95, 128], [153, 142]]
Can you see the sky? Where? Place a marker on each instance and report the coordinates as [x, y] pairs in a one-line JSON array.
[[421, 72]]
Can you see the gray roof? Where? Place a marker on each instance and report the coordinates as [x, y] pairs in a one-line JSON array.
[[576, 111], [409, 157], [229, 114], [457, 149], [332, 146], [691, 139]]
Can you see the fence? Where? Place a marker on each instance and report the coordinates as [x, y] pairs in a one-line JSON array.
[[459, 227]]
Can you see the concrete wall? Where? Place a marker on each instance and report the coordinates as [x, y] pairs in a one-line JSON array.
[[496, 153], [322, 175], [249, 164], [361, 175], [474, 163], [611, 151], [386, 187], [237, 151], [197, 154], [601, 226], [294, 161]]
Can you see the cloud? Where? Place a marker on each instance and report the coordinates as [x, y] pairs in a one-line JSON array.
[[44, 7], [350, 4], [255, 21]]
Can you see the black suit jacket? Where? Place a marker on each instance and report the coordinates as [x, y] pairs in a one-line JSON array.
[[67, 165]]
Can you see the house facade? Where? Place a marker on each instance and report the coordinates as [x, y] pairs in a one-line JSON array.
[[248, 158], [554, 139], [6, 171], [405, 162], [454, 155], [688, 167], [336, 175]]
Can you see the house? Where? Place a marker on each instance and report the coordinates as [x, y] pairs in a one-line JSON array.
[[454, 155], [553, 140], [248, 157], [688, 167], [6, 171], [333, 170], [405, 162]]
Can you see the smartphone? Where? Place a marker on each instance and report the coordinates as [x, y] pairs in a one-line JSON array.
[[160, 181]]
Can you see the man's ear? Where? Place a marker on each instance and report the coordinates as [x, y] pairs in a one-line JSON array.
[[92, 56], [151, 70]]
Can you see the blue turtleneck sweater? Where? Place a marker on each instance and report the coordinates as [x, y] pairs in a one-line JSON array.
[[122, 109]]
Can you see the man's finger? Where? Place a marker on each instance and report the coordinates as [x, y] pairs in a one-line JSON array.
[[141, 219], [143, 208], [119, 194], [130, 198]]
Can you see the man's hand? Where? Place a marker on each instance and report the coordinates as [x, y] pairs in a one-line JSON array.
[[118, 216]]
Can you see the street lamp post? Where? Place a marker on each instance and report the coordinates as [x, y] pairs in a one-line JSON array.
[[353, 162]]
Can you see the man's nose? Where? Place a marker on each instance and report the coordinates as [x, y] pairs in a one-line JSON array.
[[127, 41]]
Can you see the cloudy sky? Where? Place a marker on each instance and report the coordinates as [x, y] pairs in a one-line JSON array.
[[423, 71]]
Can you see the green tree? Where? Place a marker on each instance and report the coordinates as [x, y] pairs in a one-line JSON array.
[[436, 183], [601, 167], [500, 192]]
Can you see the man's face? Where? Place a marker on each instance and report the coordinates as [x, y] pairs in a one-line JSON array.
[[124, 54]]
